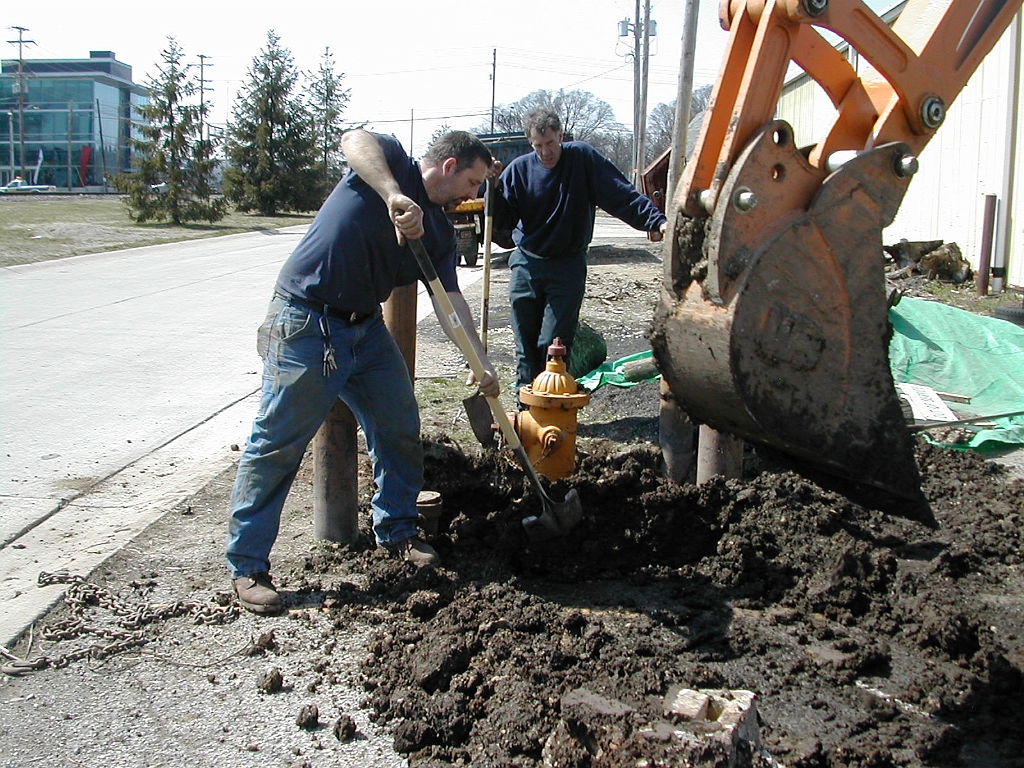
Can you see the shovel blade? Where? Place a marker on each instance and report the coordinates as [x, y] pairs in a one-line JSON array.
[[557, 519], [481, 420]]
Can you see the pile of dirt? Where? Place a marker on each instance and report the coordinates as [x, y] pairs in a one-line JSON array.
[[870, 640]]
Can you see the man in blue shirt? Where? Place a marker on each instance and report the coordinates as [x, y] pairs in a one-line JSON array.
[[549, 199], [324, 338]]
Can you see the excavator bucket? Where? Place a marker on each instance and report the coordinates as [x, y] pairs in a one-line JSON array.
[[772, 323], [783, 341]]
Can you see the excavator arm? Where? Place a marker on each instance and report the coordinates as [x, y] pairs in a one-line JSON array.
[[772, 323]]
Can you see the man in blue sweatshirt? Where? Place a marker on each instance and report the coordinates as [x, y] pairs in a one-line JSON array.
[[548, 199], [324, 338]]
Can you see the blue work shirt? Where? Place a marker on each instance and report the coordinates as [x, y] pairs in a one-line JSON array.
[[350, 258], [553, 210]]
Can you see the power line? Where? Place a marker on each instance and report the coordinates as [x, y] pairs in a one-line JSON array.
[[432, 118]]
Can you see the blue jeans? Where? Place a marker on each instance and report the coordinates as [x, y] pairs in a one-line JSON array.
[[372, 379], [545, 296]]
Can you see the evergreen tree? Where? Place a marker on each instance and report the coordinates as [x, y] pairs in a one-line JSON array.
[[327, 102], [271, 147], [171, 151]]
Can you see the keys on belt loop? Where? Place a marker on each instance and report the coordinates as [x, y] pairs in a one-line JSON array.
[[330, 364]]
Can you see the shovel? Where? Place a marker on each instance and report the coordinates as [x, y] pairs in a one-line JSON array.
[[557, 518], [478, 411]]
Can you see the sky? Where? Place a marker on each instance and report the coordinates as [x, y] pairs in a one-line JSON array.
[[411, 66]]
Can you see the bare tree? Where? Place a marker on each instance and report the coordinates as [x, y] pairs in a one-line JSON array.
[[616, 143], [661, 122], [583, 114], [660, 127]]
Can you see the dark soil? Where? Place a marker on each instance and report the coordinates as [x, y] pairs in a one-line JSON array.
[[870, 639]]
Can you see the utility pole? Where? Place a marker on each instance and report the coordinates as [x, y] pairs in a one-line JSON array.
[[202, 97], [684, 99], [642, 31], [494, 82], [636, 97], [21, 42], [10, 146], [641, 144]]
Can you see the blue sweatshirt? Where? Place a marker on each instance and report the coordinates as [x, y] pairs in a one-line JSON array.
[[350, 257], [552, 211]]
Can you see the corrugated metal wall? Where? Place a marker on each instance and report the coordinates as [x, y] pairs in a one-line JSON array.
[[977, 151]]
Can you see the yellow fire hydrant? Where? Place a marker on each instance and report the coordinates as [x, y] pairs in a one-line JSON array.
[[548, 429]]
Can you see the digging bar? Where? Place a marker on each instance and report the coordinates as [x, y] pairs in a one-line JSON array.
[[924, 426], [557, 518], [477, 411]]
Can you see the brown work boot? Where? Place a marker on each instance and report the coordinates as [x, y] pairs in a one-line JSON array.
[[256, 593], [415, 550]]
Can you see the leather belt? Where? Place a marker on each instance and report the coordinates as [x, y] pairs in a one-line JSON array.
[[347, 316]]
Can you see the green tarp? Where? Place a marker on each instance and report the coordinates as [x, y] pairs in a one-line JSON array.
[[954, 351], [937, 346], [612, 373]]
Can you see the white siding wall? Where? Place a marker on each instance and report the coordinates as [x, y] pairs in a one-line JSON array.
[[969, 157], [1015, 209]]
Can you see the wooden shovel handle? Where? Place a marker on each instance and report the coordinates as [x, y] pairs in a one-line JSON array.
[[462, 341]]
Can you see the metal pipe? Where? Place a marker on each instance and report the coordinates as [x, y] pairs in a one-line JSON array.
[[675, 431], [675, 437], [985, 256], [684, 96]]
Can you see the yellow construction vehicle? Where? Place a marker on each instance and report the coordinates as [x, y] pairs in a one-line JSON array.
[[772, 323]]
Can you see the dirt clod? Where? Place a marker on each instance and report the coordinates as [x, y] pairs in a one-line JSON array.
[[344, 728], [308, 717], [272, 681]]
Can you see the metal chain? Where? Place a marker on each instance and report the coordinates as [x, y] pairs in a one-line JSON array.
[[131, 619]]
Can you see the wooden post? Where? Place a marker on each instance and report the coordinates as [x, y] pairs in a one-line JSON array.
[[718, 453], [336, 477], [400, 318], [675, 436]]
